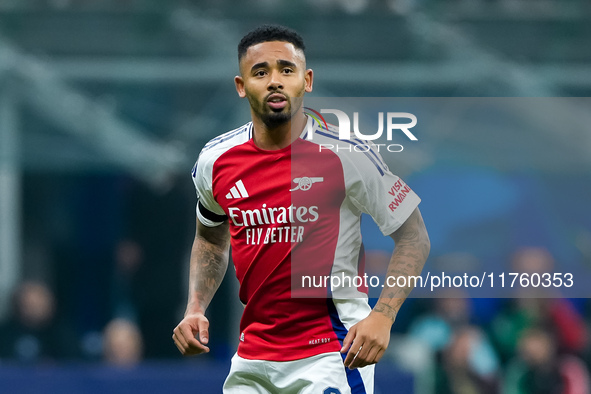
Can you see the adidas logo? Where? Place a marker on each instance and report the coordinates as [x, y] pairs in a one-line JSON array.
[[237, 191]]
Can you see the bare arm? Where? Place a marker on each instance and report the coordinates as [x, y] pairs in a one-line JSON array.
[[209, 261], [409, 257], [367, 341]]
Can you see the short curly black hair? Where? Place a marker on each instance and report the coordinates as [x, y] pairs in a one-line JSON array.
[[267, 33]]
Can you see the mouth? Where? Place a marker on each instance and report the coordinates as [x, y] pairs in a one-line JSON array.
[[277, 101]]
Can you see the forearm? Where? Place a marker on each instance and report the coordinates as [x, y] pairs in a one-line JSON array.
[[409, 257], [366, 341], [209, 261]]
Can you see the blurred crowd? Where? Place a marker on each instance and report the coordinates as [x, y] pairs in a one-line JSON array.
[[533, 344], [35, 335], [111, 287]]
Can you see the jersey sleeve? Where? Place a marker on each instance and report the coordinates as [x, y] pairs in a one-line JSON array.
[[209, 212], [374, 190]]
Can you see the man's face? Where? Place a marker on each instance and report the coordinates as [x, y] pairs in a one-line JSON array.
[[274, 79]]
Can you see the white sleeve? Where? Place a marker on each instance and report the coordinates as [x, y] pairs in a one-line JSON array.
[[374, 190], [209, 212]]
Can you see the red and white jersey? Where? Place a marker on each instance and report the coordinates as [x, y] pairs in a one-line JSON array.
[[295, 213]]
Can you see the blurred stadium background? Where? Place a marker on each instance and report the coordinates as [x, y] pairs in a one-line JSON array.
[[105, 105]]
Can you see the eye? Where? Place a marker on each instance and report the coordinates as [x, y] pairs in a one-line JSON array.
[[260, 73], [287, 71]]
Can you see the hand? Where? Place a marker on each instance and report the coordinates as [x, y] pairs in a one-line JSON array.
[[184, 335], [367, 341]]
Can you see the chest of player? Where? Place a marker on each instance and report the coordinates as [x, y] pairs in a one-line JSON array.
[[296, 185]]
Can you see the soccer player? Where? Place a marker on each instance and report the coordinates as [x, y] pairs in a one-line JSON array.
[[290, 209]]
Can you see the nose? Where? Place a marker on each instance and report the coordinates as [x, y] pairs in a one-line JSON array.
[[275, 82]]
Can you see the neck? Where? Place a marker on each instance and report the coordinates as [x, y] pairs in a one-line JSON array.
[[279, 137]]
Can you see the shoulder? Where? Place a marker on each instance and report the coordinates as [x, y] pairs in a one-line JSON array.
[[221, 144], [352, 152], [228, 140]]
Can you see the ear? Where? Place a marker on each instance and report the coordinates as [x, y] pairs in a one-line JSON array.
[[239, 82], [309, 77]]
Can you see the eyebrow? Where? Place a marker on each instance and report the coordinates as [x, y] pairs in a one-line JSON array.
[[286, 63], [279, 62], [259, 65]]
